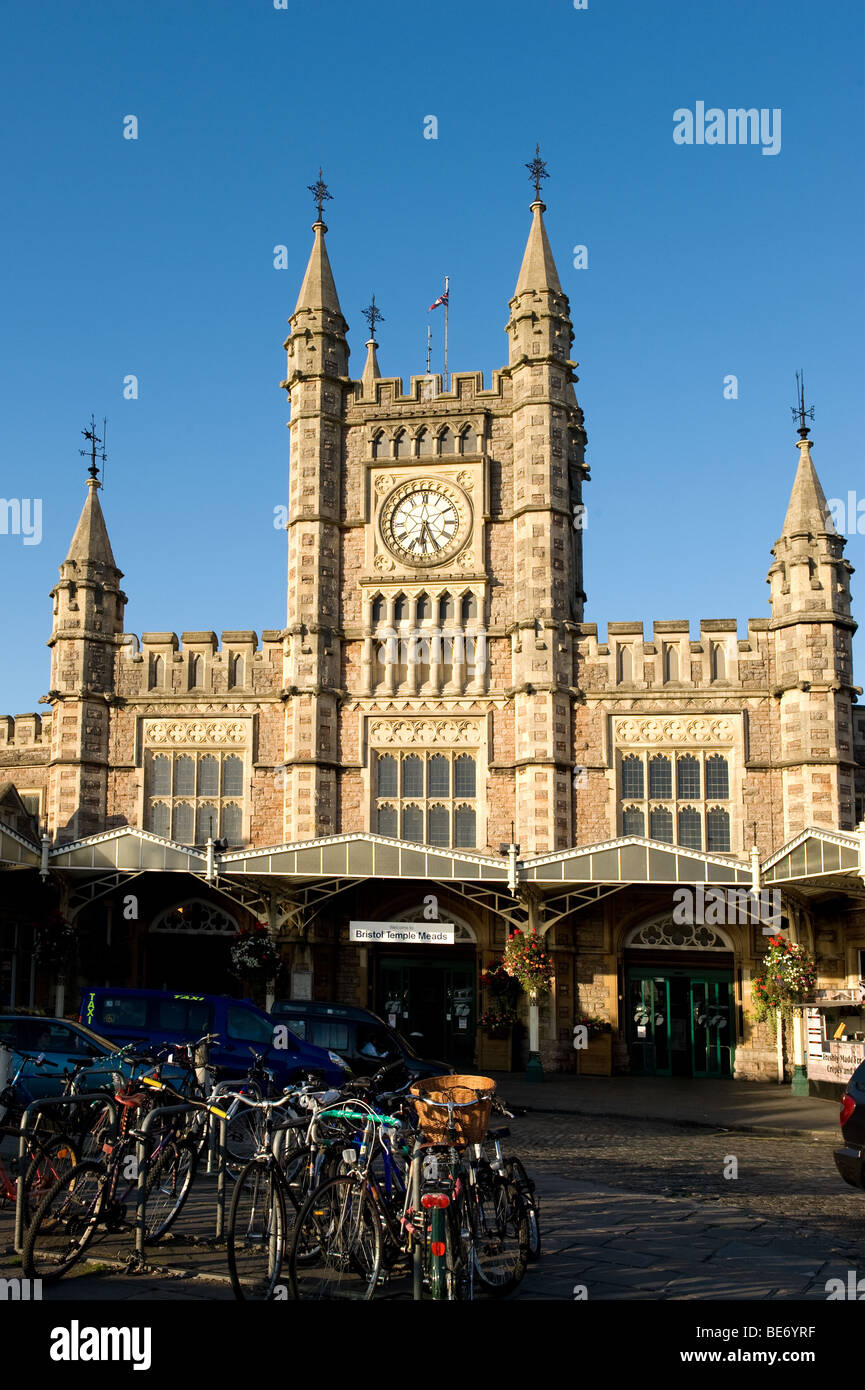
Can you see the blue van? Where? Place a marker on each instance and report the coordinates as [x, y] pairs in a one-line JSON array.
[[159, 1016]]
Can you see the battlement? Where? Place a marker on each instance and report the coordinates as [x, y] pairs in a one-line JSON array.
[[25, 730], [201, 661], [671, 658], [428, 391]]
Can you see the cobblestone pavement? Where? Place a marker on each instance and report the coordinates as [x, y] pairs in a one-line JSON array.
[[630, 1209]]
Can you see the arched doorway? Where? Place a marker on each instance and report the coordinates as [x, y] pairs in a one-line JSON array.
[[189, 948], [430, 993], [679, 999]]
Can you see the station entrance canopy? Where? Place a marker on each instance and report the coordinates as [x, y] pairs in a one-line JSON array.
[[289, 883]]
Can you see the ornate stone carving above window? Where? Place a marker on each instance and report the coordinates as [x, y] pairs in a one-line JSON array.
[[214, 732], [675, 731], [402, 732], [663, 934]]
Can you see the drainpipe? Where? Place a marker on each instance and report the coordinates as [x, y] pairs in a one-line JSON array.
[[210, 870], [43, 867]]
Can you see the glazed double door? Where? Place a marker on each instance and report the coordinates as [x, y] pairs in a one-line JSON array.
[[680, 1024]]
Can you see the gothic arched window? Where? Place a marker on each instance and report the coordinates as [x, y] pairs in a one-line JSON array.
[[412, 824], [184, 775], [208, 776], [717, 778], [379, 610], [633, 821], [464, 827], [446, 609], [469, 609], [196, 668], [232, 823], [661, 825], [160, 776], [671, 663], [386, 775], [402, 445], [424, 608], [624, 664], [718, 831], [632, 776], [439, 775], [687, 778], [465, 775], [719, 662], [379, 445], [184, 823], [439, 826], [425, 444], [236, 670], [232, 776], [159, 821], [157, 672], [447, 443], [386, 821], [690, 828], [412, 775], [468, 441], [400, 609], [660, 778]]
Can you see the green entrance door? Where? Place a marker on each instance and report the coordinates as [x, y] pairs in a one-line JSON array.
[[711, 1044], [432, 1003], [680, 1021], [649, 1024]]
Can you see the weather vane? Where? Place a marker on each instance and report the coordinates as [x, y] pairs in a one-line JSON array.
[[799, 411], [372, 316], [537, 172], [319, 193], [97, 446]]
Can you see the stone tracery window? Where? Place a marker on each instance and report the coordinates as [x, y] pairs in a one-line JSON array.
[[191, 796], [436, 804], [691, 816]]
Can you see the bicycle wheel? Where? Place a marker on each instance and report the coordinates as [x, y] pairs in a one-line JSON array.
[[500, 1231], [526, 1188], [256, 1236], [50, 1160], [336, 1248], [167, 1187], [64, 1223]]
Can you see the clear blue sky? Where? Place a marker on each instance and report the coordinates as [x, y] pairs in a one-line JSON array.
[[154, 257]]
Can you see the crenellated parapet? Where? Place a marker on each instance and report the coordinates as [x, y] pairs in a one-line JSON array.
[[235, 665]]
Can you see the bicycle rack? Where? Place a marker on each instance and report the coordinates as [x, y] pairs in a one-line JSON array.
[[141, 1146], [35, 1108]]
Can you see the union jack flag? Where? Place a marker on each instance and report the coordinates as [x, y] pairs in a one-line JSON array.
[[442, 299]]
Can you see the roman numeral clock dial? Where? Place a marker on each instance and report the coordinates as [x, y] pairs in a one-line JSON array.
[[425, 523]]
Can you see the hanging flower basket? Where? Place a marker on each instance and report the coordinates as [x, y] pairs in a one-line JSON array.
[[783, 981], [254, 954], [503, 994], [54, 942], [595, 1026], [528, 963]]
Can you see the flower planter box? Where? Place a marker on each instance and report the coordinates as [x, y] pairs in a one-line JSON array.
[[597, 1058], [495, 1054]]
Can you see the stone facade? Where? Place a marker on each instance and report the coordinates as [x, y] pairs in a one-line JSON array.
[[435, 630]]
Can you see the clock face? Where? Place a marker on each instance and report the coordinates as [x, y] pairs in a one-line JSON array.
[[425, 523]]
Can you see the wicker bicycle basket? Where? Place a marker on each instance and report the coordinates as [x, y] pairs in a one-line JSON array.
[[471, 1124]]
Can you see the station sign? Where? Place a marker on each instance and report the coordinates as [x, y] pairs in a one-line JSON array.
[[402, 933]]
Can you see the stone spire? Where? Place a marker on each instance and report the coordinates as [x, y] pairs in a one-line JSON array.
[[318, 290], [807, 512], [371, 371], [90, 543], [538, 270]]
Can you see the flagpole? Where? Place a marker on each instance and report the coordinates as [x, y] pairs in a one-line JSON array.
[[447, 308]]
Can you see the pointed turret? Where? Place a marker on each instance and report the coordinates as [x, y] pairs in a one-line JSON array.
[[318, 290], [538, 270], [90, 543], [810, 632], [371, 371], [85, 637]]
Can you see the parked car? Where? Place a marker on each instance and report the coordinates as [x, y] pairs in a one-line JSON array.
[[850, 1158], [363, 1039], [64, 1045], [160, 1016]]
